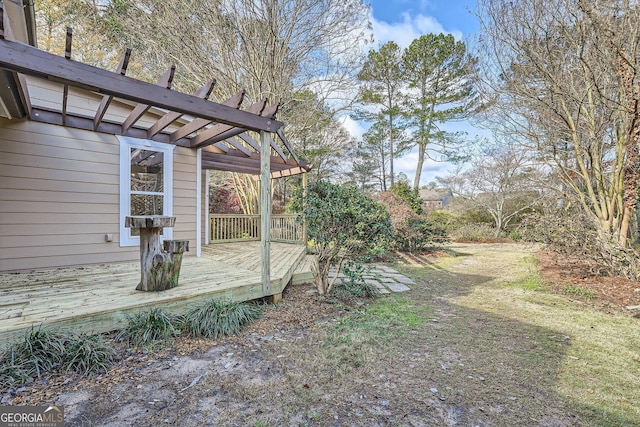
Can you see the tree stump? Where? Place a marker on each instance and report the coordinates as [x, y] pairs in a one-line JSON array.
[[160, 264]]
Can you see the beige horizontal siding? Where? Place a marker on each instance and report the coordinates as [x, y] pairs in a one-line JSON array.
[[59, 189], [184, 195], [48, 94]]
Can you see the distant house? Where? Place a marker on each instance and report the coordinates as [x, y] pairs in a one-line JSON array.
[[435, 199]]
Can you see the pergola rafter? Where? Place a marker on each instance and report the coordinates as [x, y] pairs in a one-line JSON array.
[[220, 129]]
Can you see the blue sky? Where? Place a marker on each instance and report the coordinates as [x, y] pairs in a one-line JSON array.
[[405, 20]]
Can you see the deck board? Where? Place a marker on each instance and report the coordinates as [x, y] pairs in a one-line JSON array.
[[98, 298]]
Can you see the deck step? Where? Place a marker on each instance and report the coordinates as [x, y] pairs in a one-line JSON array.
[[304, 273]]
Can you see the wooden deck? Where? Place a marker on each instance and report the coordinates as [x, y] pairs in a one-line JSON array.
[[98, 298]]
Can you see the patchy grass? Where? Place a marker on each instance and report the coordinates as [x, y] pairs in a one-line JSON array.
[[579, 292], [594, 354], [354, 340], [479, 340]]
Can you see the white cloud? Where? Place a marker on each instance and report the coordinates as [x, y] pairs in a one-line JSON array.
[[409, 29], [353, 127], [430, 170]]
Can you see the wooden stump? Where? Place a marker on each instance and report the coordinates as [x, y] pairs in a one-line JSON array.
[[160, 264]]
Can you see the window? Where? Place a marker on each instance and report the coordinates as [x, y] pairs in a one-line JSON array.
[[146, 181]]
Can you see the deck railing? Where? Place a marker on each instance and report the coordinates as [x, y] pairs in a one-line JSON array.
[[236, 227]]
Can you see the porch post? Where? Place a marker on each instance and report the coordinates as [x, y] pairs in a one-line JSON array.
[[265, 211], [305, 237]]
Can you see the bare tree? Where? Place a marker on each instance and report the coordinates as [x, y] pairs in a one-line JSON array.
[[502, 181], [276, 49], [565, 76]]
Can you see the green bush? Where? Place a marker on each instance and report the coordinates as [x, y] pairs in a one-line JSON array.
[[409, 195], [215, 318], [344, 224], [150, 328], [446, 220], [355, 285], [418, 233]]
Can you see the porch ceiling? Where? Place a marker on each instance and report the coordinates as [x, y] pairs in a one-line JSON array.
[[221, 130]]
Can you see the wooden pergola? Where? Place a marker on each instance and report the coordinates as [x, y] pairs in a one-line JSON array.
[[222, 131]]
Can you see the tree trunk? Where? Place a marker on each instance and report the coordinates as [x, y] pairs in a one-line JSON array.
[[416, 180], [320, 270]]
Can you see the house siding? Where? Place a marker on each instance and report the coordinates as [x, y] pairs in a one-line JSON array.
[[59, 193]]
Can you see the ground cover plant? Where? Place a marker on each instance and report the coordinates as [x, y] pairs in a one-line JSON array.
[[215, 318], [48, 350], [54, 351], [153, 327]]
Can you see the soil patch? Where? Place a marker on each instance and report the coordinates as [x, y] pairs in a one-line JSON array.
[[570, 277]]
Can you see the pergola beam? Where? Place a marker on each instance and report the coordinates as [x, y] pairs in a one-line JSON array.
[[238, 146], [254, 160], [65, 89], [31, 61], [233, 131], [288, 146], [288, 172], [198, 123], [44, 115]]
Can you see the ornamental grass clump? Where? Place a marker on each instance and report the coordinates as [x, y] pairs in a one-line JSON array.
[[215, 318], [52, 351], [40, 351], [150, 328], [87, 354]]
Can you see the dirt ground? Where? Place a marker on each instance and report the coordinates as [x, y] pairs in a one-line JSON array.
[[291, 368]]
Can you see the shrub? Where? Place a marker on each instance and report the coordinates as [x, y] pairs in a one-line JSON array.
[[150, 328], [411, 232], [409, 195], [419, 233], [355, 285], [344, 224], [475, 233], [445, 220], [570, 232], [215, 318]]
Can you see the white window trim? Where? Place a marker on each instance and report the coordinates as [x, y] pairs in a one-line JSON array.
[[199, 202], [126, 144]]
